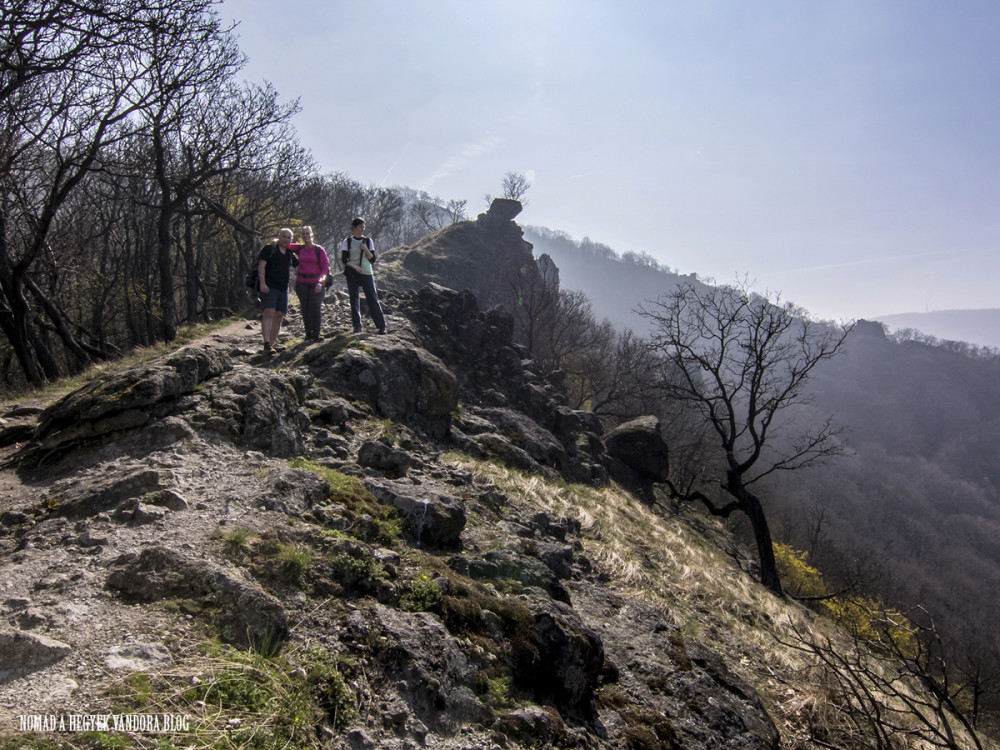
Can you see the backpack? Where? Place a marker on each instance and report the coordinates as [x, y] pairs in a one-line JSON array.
[[253, 277], [329, 278], [253, 280]]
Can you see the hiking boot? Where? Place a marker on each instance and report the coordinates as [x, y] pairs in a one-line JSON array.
[[268, 349]]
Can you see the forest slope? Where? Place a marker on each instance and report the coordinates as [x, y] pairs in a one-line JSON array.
[[918, 498]]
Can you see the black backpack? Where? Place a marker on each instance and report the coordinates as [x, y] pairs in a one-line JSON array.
[[253, 277], [329, 277]]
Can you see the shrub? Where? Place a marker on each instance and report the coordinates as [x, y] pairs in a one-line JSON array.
[[422, 595], [797, 575], [293, 562]]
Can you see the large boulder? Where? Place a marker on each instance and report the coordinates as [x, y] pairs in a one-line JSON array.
[[435, 518], [400, 379], [245, 614], [501, 211], [422, 654], [528, 435], [251, 407], [126, 400], [571, 655], [499, 565], [639, 444], [674, 685]]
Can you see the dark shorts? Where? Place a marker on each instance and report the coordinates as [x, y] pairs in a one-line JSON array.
[[275, 299]]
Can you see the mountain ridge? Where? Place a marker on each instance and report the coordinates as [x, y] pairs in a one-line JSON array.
[[379, 541], [976, 326]]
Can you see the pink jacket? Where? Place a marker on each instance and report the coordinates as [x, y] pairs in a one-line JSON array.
[[310, 271]]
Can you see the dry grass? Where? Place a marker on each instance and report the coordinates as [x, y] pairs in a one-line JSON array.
[[135, 357], [678, 563]]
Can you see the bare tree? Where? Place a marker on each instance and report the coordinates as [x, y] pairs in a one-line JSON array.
[[740, 361], [75, 80], [890, 686], [515, 185]]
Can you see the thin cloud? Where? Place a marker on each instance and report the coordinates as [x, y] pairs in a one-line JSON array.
[[585, 174], [868, 261], [457, 162], [382, 183]]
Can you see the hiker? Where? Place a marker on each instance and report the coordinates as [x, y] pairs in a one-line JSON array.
[[274, 269], [358, 253], [311, 282]]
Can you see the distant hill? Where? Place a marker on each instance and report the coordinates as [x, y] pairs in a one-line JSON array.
[[615, 284], [980, 327], [918, 498]]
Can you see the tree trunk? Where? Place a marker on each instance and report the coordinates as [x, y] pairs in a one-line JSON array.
[[15, 324], [749, 503], [191, 271], [765, 547], [168, 307], [61, 326]]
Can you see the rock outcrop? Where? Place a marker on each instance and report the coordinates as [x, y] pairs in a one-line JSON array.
[[159, 506]]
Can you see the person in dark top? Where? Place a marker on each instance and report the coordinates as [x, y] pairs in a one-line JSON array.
[[358, 253], [274, 270]]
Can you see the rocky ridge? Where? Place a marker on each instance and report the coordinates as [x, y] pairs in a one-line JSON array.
[[325, 508]]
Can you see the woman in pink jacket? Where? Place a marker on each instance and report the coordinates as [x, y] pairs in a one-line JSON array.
[[310, 284]]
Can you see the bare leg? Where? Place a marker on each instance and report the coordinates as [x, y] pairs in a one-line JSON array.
[[266, 323], [275, 326]]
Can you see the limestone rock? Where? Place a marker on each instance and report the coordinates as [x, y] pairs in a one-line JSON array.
[[138, 657], [532, 726], [640, 446], [127, 399], [252, 407], [435, 517], [571, 655], [401, 381], [391, 461], [22, 652], [247, 616], [528, 435], [294, 492], [510, 565], [502, 210], [427, 659], [88, 497]]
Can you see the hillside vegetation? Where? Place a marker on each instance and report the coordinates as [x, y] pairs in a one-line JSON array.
[[401, 540], [911, 512]]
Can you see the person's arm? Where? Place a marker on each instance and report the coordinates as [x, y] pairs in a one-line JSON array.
[[324, 268], [345, 254], [369, 249], [261, 265]]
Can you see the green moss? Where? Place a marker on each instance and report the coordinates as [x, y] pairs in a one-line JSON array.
[[343, 487], [293, 562], [422, 595], [354, 570], [388, 525]]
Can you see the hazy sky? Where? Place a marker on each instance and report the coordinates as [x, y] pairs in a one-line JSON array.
[[845, 153]]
